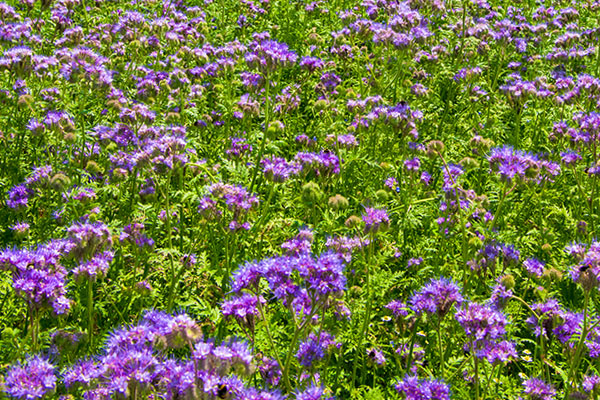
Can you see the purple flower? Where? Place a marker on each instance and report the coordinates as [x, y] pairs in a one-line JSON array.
[[277, 169], [414, 262], [437, 297], [33, 379], [515, 164], [40, 176], [591, 383], [268, 55], [89, 238], [311, 64], [37, 275], [20, 228], [481, 322], [413, 164], [570, 157], [534, 267], [376, 356], [375, 219], [315, 347], [239, 147], [398, 308], [414, 388], [313, 393], [243, 309], [133, 233], [496, 353], [344, 245], [537, 389], [95, 268], [546, 312], [18, 197], [300, 244]]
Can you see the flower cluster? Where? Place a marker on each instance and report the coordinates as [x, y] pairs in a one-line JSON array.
[[436, 297], [33, 379], [38, 277], [485, 327], [236, 200], [517, 165]]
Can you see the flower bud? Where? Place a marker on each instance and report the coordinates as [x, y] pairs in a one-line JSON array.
[[59, 182], [353, 221], [338, 202], [311, 193], [508, 281]]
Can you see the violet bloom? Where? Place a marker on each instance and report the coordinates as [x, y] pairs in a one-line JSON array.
[[270, 371], [300, 244], [587, 271], [133, 233], [300, 282], [277, 169], [570, 158], [33, 379], [534, 267], [268, 55], [20, 228], [413, 164], [398, 308], [591, 383], [414, 388], [546, 314], [376, 356], [537, 389], [95, 268], [39, 176], [451, 173], [375, 220], [243, 308], [311, 64], [18, 197], [515, 164], [344, 246], [481, 322], [89, 238], [37, 276], [315, 347], [239, 147], [313, 393], [436, 297], [498, 353]]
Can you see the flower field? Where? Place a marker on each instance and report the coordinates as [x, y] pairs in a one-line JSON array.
[[271, 199]]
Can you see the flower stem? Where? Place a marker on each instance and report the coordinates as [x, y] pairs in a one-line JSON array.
[[441, 348], [90, 312], [264, 138]]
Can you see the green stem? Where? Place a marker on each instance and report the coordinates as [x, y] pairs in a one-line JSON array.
[[270, 337], [90, 312], [35, 329], [288, 359], [170, 242], [364, 329], [580, 345], [441, 348], [264, 138], [489, 381], [476, 362], [495, 219]]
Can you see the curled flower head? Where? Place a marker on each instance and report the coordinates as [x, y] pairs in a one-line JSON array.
[[375, 220]]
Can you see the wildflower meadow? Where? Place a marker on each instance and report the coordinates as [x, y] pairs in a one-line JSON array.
[[275, 199]]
